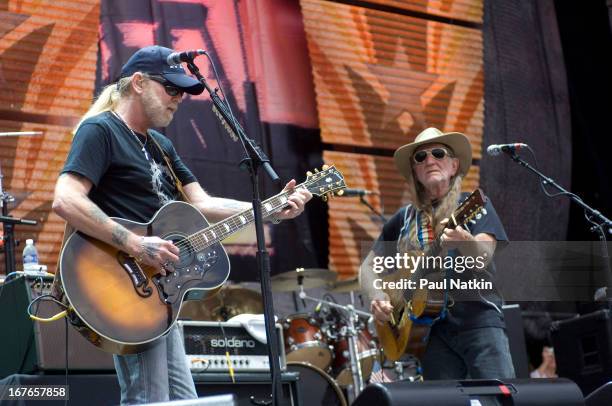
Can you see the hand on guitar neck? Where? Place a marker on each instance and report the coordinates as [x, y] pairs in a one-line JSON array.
[[469, 245], [295, 202]]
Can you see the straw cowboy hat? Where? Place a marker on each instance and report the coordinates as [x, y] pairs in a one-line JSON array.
[[457, 142]]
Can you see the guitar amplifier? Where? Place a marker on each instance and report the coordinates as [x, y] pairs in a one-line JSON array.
[[33, 347], [206, 343]]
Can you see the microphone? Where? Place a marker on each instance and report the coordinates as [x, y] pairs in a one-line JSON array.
[[175, 58], [357, 192], [497, 149]]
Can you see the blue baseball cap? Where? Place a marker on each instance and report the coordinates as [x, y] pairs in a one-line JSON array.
[[153, 60]]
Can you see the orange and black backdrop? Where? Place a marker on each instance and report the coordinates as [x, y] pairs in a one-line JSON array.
[[345, 82], [48, 53], [379, 78], [383, 72]]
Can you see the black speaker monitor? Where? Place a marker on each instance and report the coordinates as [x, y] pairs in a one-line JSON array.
[[583, 349], [515, 392]]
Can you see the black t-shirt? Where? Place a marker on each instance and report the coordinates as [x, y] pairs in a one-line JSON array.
[[129, 181], [474, 308]]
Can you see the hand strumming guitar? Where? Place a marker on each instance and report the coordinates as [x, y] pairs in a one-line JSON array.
[[381, 308], [156, 252]]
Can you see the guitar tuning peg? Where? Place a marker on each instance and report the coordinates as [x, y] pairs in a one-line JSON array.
[[324, 198], [316, 170], [340, 192], [325, 167], [309, 173]]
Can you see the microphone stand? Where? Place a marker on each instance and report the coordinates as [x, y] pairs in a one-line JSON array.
[[9, 223], [597, 217], [254, 159], [369, 206]]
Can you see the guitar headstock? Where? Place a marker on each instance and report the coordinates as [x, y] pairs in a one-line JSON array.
[[469, 208], [325, 182]]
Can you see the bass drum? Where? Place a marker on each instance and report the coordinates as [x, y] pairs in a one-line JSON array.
[[368, 354], [305, 342], [316, 387]]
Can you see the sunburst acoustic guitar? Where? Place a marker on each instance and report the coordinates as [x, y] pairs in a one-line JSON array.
[[123, 306]]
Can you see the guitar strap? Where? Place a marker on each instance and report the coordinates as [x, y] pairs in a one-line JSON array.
[[177, 181]]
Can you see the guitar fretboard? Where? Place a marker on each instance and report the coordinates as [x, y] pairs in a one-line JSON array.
[[219, 231]]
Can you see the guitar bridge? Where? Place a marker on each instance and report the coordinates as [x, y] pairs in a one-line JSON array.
[[138, 278]]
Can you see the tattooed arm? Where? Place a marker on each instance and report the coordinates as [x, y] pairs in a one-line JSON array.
[[216, 208], [73, 205]]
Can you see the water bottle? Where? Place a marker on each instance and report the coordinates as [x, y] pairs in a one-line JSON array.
[[30, 256]]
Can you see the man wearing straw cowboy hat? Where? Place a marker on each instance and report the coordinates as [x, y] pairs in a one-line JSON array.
[[468, 339]]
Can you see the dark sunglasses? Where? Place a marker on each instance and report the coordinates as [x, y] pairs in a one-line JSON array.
[[170, 89], [438, 153]]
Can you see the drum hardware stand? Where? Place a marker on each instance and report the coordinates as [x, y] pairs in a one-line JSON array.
[[8, 229], [353, 314]]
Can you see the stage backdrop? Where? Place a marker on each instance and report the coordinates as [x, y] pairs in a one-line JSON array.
[[47, 69], [342, 81], [526, 100], [385, 70], [381, 71]]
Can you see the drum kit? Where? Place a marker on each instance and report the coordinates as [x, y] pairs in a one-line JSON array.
[[335, 338], [333, 347]]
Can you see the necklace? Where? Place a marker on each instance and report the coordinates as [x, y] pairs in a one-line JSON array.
[[143, 149]]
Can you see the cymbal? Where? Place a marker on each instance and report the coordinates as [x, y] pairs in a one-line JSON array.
[[230, 301], [310, 277], [346, 285]]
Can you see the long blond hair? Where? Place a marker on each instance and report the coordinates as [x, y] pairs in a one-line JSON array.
[[107, 100]]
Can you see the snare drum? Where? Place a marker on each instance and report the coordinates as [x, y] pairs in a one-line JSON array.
[[316, 387], [305, 342], [367, 353]]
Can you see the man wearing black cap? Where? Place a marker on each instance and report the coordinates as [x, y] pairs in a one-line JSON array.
[[116, 167]]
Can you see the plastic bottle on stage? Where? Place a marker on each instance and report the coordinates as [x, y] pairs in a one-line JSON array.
[[30, 256]]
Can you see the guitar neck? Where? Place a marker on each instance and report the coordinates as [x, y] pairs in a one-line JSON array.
[[223, 229]]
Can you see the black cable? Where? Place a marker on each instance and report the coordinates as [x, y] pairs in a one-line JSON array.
[[214, 68], [66, 355], [48, 297], [225, 101], [542, 183], [588, 211]]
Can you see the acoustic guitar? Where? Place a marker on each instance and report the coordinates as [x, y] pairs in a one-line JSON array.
[[123, 306], [409, 326]]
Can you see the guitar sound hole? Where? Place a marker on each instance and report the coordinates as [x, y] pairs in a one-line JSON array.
[[186, 254]]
